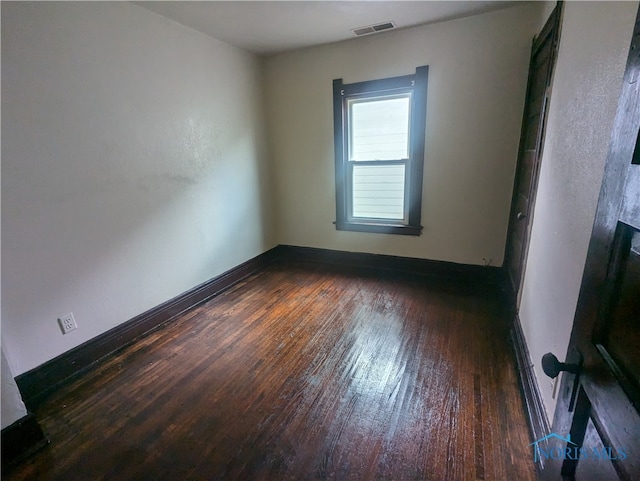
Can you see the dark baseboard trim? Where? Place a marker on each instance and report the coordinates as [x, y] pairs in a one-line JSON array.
[[20, 440], [441, 270], [37, 384], [536, 414]]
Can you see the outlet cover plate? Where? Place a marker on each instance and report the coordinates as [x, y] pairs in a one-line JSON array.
[[67, 323]]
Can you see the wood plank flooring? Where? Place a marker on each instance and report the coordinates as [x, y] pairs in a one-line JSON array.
[[305, 372]]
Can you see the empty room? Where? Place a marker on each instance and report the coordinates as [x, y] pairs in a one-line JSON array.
[[347, 240]]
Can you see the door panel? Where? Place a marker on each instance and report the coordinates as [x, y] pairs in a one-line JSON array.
[[602, 422], [525, 176], [594, 458], [543, 54], [619, 339], [593, 463]]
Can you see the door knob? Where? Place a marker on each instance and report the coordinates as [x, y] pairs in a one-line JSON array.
[[520, 216], [552, 367]]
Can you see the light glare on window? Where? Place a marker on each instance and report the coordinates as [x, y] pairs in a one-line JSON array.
[[379, 129]]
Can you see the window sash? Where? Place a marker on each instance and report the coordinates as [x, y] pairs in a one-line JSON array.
[[353, 209], [351, 102], [355, 206]]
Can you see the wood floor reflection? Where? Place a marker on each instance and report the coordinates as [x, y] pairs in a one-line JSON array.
[[302, 371]]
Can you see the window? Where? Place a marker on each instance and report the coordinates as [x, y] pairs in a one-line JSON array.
[[379, 131]]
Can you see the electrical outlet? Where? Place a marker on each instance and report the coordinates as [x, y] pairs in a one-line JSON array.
[[67, 323]]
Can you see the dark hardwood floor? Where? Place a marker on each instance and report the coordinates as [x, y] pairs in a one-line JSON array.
[[302, 371]]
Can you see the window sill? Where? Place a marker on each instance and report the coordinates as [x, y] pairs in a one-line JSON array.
[[379, 228]]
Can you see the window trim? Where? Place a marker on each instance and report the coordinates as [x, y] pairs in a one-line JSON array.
[[417, 84]]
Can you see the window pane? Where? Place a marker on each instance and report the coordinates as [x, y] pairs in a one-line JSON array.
[[379, 128], [378, 191]]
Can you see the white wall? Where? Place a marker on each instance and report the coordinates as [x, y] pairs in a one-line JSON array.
[[12, 407], [133, 162], [477, 81], [593, 50]]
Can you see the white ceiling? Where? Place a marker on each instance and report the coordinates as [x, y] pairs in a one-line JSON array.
[[268, 27]]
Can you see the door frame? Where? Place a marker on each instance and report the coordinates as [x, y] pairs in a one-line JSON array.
[[532, 400]]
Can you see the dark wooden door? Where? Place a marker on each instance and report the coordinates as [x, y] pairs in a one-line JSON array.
[[596, 428], [543, 54]]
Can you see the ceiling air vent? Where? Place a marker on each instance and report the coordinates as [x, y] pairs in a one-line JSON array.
[[373, 28]]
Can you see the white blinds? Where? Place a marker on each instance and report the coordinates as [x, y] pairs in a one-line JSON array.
[[378, 191]]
